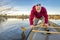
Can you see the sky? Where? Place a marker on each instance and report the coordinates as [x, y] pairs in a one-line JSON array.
[[25, 6]]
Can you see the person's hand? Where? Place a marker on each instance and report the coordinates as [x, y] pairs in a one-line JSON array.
[[47, 26], [31, 26], [44, 25]]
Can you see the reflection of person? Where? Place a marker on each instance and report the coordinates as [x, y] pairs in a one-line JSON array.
[[38, 12]]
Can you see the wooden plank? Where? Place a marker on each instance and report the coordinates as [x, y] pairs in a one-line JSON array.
[[44, 27], [45, 32]]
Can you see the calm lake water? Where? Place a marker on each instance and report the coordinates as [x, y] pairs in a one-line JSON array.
[[13, 23], [11, 28]]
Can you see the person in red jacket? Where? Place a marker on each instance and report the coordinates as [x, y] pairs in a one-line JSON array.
[[38, 12]]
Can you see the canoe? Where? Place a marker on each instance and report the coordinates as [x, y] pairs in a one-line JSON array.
[[38, 34]]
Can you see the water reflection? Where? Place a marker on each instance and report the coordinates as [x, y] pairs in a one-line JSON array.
[[10, 28], [3, 19], [12, 23]]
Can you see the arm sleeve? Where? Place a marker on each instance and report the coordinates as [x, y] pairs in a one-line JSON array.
[[31, 17], [45, 15]]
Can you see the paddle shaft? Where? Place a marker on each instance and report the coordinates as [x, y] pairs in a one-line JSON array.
[[28, 34]]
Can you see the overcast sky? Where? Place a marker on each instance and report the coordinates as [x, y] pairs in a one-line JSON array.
[[24, 6]]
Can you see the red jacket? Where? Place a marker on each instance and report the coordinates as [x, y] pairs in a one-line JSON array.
[[33, 14]]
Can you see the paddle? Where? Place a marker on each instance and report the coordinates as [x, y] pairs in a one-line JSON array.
[[23, 34]]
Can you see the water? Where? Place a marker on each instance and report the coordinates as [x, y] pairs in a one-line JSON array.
[[56, 21], [13, 23], [10, 28]]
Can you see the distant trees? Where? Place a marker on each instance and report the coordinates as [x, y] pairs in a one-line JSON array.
[[27, 16], [54, 16]]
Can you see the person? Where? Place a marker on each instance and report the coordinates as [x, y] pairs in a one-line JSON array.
[[38, 12]]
